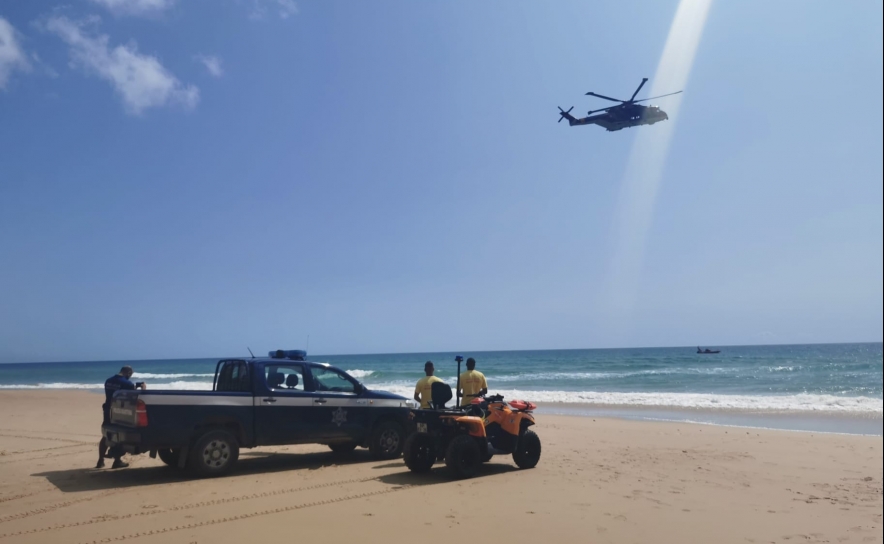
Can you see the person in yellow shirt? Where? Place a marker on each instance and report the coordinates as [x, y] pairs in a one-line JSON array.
[[472, 383], [423, 391]]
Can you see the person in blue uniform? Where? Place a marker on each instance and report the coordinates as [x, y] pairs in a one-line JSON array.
[[118, 382]]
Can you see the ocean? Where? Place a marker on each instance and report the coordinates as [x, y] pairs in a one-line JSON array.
[[816, 379]]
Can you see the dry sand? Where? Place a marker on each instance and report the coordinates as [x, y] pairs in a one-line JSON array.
[[599, 480]]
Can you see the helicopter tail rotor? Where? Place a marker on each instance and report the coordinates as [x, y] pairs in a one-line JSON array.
[[565, 114]]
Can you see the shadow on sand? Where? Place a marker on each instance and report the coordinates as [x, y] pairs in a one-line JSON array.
[[250, 462], [441, 475], [253, 462]]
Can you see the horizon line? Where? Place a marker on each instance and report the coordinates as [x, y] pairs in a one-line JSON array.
[[453, 352]]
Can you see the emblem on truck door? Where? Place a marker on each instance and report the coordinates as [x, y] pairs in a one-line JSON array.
[[339, 416]]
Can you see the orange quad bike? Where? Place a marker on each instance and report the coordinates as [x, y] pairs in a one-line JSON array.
[[467, 437]]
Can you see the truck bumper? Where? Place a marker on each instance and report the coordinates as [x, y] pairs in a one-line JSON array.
[[124, 437]]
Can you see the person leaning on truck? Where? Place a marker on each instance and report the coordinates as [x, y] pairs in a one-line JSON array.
[[118, 382], [423, 391]]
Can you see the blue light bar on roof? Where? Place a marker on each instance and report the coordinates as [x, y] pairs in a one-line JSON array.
[[293, 354]]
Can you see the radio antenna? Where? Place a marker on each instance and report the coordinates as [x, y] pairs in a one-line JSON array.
[[307, 347], [250, 352]]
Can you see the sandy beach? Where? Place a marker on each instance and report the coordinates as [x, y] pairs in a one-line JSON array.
[[599, 480]]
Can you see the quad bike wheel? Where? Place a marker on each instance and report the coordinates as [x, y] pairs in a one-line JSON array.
[[419, 453], [169, 456], [346, 447], [487, 457], [463, 457], [527, 452]]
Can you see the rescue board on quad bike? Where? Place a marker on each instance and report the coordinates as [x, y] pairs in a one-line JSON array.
[[522, 405]]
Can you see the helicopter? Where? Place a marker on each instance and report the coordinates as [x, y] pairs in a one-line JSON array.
[[624, 115]]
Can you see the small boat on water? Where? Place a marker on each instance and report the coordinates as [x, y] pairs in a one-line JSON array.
[[707, 351]]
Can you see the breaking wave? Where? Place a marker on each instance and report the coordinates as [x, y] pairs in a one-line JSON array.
[[803, 402], [149, 376], [177, 386]]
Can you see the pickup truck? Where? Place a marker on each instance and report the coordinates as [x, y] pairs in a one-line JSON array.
[[278, 400]]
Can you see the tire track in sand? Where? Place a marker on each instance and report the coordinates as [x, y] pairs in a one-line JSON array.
[[52, 438], [19, 452], [239, 517], [17, 497], [47, 432], [178, 508], [54, 507], [51, 455]]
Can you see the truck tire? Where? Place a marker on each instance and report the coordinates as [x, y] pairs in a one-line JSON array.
[[387, 440], [419, 452], [345, 447], [213, 453], [527, 452], [463, 457], [169, 456]]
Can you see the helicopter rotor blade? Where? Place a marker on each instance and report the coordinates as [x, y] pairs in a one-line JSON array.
[[604, 109], [655, 97], [563, 113], [605, 97], [640, 85]]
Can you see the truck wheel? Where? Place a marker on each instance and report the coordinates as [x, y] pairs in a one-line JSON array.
[[346, 447], [214, 453], [387, 440], [419, 453], [463, 456], [169, 456], [527, 452]]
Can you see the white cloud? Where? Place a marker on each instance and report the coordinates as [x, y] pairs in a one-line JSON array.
[[12, 57], [42, 67], [135, 7], [212, 64], [284, 8], [140, 80]]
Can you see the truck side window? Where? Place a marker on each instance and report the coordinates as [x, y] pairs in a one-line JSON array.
[[284, 377], [326, 379], [234, 377]]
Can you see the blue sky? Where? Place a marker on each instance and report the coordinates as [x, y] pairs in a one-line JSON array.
[[182, 178]]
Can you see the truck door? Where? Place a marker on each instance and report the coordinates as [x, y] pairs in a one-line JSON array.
[[282, 407], [339, 412], [232, 398]]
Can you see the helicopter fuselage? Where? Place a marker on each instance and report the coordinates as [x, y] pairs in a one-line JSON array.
[[619, 119], [628, 113]]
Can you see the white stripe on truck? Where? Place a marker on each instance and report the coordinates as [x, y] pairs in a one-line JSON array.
[[279, 400], [194, 400]]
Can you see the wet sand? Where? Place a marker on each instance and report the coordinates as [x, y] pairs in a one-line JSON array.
[[846, 422], [598, 480]]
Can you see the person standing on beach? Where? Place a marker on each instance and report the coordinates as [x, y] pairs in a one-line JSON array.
[[118, 382], [423, 391], [472, 383]]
